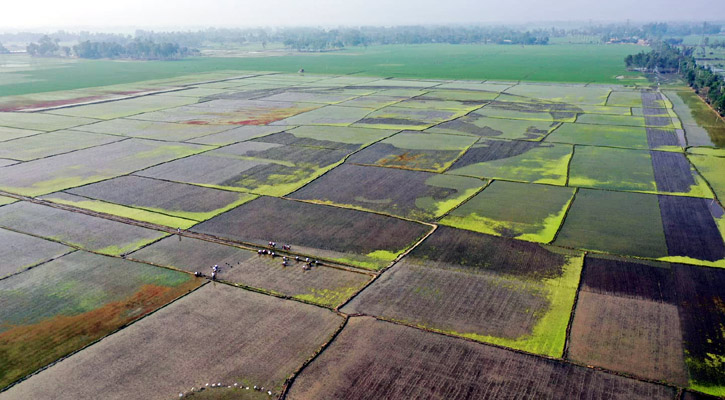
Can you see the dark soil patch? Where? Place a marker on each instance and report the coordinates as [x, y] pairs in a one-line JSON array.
[[461, 249], [290, 139], [484, 303], [314, 226], [377, 360], [624, 278], [673, 172], [690, 229], [490, 150], [702, 315], [153, 193], [389, 190], [661, 137]]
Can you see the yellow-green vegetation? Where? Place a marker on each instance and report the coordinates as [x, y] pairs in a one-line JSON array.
[[440, 207], [609, 168], [549, 334], [373, 261], [713, 170], [695, 261], [513, 113], [122, 211], [6, 200], [327, 297], [601, 135], [547, 164], [523, 211]]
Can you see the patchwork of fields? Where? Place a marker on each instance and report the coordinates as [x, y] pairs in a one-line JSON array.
[[449, 239]]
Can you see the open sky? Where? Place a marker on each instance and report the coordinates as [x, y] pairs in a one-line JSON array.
[[29, 14]]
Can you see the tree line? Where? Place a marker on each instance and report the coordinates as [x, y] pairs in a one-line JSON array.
[[709, 85], [137, 49]]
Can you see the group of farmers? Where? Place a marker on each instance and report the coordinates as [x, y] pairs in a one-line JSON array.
[[285, 260], [308, 264]]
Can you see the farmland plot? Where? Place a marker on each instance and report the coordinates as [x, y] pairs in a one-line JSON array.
[[14, 133], [598, 135], [230, 112], [616, 222], [625, 99], [691, 229], [19, 252], [310, 97], [417, 151], [235, 135], [674, 174], [329, 137], [666, 139], [153, 130], [126, 107], [609, 168], [500, 291], [527, 111], [257, 167], [522, 161], [41, 121], [372, 102], [668, 314], [475, 124], [616, 120], [328, 115], [321, 285], [411, 194], [517, 210], [59, 307], [574, 94], [350, 236], [395, 117], [702, 126], [81, 167], [256, 340], [373, 359], [52, 143], [119, 210], [711, 169], [626, 308], [175, 199], [6, 200], [75, 229]]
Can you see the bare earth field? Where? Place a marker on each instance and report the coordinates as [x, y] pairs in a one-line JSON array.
[[447, 240]]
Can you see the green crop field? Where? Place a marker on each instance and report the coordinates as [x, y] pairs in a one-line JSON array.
[[555, 63], [196, 224]]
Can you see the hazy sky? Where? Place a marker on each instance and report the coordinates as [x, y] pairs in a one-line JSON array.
[[105, 14]]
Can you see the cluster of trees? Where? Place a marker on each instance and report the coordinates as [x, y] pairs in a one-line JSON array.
[[706, 83], [664, 59], [321, 39], [652, 31], [136, 49], [47, 47], [317, 39], [3, 49]]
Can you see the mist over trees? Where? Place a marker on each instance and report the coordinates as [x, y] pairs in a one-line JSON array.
[[136, 49]]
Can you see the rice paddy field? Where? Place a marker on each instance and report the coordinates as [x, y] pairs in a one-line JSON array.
[[233, 234]]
